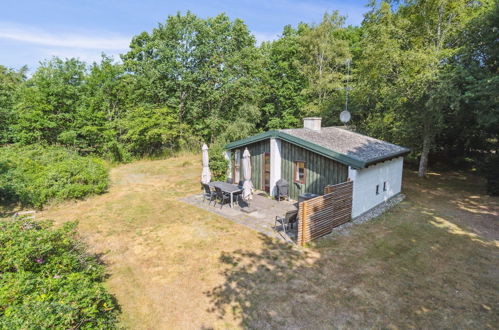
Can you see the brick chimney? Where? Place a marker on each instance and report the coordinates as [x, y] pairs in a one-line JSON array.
[[313, 123]]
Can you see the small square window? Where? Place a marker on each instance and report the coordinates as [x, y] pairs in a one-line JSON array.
[[384, 186], [299, 175], [377, 189]]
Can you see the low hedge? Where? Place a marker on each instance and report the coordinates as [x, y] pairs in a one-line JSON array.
[[47, 280], [35, 175]]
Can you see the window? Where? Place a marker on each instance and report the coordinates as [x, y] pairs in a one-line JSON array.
[[377, 189], [384, 186], [299, 175]]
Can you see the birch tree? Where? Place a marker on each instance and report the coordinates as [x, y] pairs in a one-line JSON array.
[[325, 54], [418, 39]]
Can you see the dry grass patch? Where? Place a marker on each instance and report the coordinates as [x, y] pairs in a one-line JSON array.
[[162, 254], [425, 264], [432, 262]]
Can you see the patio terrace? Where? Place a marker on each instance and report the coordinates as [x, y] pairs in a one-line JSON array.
[[262, 219]]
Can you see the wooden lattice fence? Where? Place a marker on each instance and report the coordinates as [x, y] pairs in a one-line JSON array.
[[318, 216]]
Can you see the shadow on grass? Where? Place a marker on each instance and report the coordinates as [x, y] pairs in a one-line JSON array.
[[400, 270], [254, 280], [8, 209]]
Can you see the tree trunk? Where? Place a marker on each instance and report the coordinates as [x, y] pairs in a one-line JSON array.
[[423, 162]]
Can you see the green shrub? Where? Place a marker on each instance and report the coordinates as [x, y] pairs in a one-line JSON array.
[[490, 169], [35, 175], [218, 163], [152, 131], [47, 280]]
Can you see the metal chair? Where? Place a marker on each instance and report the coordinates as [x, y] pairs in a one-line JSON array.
[[289, 219], [221, 196], [237, 195], [208, 193], [282, 189]]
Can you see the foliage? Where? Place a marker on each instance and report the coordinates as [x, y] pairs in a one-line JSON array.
[[218, 163], [149, 131], [47, 102], [282, 99], [424, 75], [325, 54], [10, 81], [472, 125], [202, 69], [109, 93], [49, 281], [36, 175], [489, 169], [404, 73]]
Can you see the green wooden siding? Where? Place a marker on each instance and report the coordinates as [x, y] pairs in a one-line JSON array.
[[319, 171], [257, 151]]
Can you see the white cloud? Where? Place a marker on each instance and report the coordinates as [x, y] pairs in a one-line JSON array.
[[68, 40], [85, 55]]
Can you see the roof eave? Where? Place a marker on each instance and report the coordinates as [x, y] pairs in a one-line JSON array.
[[251, 139], [341, 158], [388, 157]]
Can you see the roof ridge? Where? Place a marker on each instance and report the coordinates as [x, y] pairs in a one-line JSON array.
[[367, 136], [348, 147]]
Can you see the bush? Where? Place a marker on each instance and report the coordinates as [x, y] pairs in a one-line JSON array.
[[218, 163], [35, 175], [49, 281], [490, 169], [152, 131]]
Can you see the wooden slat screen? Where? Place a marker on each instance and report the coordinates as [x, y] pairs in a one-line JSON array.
[[318, 216]]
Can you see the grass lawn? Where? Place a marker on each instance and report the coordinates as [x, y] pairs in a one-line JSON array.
[[431, 262]]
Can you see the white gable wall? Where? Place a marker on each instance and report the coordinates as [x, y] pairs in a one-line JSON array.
[[275, 164], [366, 179]]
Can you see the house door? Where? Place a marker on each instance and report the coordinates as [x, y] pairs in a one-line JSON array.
[[266, 172]]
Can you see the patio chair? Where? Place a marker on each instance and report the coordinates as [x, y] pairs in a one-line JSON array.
[[237, 195], [221, 196], [289, 219], [282, 189], [208, 193]]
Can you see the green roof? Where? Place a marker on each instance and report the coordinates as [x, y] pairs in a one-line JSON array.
[[362, 151]]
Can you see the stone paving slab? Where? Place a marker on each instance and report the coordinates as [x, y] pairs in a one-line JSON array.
[[261, 219], [266, 209]]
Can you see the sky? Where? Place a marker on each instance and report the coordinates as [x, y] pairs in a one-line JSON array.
[[34, 30]]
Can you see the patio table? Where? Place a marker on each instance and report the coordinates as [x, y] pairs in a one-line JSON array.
[[227, 188]]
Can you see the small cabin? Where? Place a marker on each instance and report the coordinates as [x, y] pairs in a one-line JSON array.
[[313, 157]]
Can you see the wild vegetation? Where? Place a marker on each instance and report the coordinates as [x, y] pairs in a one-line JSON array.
[[35, 175], [49, 280], [424, 74]]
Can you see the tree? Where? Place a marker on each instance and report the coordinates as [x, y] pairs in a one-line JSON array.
[[109, 94], [473, 125], [432, 28], [411, 81], [47, 103], [203, 70], [282, 97], [10, 81], [325, 54], [151, 131]]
